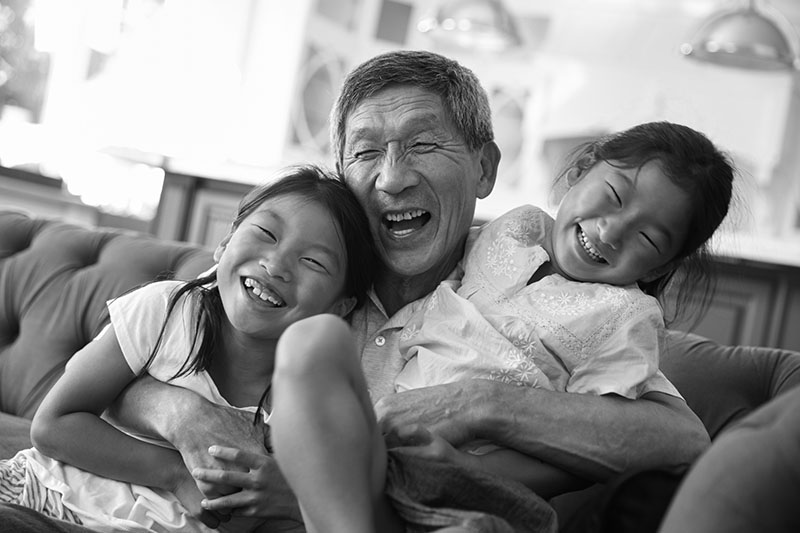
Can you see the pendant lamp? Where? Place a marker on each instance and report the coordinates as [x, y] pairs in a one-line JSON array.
[[476, 25], [747, 38]]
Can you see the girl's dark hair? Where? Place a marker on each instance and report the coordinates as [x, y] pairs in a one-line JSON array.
[[314, 184], [693, 163]]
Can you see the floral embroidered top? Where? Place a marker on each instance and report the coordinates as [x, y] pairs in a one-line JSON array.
[[554, 333]]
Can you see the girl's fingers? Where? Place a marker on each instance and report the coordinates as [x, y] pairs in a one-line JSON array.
[[223, 477], [237, 456], [223, 504], [239, 503]]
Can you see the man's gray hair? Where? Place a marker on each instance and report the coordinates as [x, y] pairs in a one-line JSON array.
[[463, 97]]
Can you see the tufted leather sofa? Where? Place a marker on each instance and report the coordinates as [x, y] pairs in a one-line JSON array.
[[56, 277]]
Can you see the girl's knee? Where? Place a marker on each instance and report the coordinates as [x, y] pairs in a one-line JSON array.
[[313, 342]]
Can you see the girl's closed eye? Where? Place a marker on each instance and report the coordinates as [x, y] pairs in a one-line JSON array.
[[650, 241], [316, 264], [266, 232], [613, 194]]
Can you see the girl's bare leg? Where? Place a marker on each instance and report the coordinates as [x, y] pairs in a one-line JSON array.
[[324, 432]]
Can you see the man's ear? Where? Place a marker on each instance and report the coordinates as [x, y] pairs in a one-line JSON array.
[[490, 159], [343, 307], [221, 247]]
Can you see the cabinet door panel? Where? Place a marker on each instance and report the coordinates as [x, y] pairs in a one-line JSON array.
[[739, 312], [789, 333], [212, 216]]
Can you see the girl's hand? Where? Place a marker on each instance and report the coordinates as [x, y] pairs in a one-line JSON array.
[[187, 492], [263, 490]]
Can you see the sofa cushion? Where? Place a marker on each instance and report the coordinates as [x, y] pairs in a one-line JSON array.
[[54, 281]]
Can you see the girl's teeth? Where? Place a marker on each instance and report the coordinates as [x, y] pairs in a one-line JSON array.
[[261, 292], [594, 254]]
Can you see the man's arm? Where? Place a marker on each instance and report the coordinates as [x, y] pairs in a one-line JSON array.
[[183, 418], [593, 437], [192, 425]]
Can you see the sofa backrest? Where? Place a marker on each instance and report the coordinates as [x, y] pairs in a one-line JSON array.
[[54, 281]]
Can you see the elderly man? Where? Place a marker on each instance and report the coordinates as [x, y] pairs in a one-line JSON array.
[[413, 138]]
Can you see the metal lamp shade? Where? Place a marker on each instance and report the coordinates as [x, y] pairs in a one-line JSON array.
[[744, 38], [483, 25]]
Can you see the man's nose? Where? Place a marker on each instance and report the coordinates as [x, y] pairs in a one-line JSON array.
[[395, 173]]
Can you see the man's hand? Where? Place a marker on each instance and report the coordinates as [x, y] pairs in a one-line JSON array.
[[219, 426], [417, 440], [185, 489], [189, 422], [592, 437], [446, 410]]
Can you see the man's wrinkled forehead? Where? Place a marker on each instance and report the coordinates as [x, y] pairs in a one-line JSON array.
[[369, 126], [376, 116]]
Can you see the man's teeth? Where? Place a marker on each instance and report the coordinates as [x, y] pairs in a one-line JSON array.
[[262, 292], [590, 249], [408, 215], [405, 223]]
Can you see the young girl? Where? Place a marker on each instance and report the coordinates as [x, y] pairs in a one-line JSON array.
[[299, 246], [568, 304]]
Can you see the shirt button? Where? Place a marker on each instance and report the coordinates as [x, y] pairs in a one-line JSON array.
[[380, 340]]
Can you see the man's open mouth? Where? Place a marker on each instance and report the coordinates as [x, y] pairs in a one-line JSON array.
[[403, 223]]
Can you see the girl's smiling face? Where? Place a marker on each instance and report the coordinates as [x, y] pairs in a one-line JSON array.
[[619, 225], [284, 262]]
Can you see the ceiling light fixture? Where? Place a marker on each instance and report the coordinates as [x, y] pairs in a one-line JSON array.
[[484, 25], [746, 38]]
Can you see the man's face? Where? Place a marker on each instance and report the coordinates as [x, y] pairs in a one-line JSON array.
[[416, 178]]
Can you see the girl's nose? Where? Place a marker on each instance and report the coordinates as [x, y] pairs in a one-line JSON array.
[[276, 268], [610, 230]]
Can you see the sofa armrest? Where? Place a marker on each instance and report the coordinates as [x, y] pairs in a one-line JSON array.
[[722, 384]]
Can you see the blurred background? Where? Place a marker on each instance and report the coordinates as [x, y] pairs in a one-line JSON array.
[[157, 115], [143, 113]]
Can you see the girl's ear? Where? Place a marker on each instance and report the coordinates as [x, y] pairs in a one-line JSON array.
[[573, 175], [221, 247], [343, 307]]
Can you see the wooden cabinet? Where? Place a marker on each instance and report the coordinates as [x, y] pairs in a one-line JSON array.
[[197, 209], [43, 196], [754, 304]]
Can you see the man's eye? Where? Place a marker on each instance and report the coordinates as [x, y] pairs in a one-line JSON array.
[[423, 148], [366, 154]]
